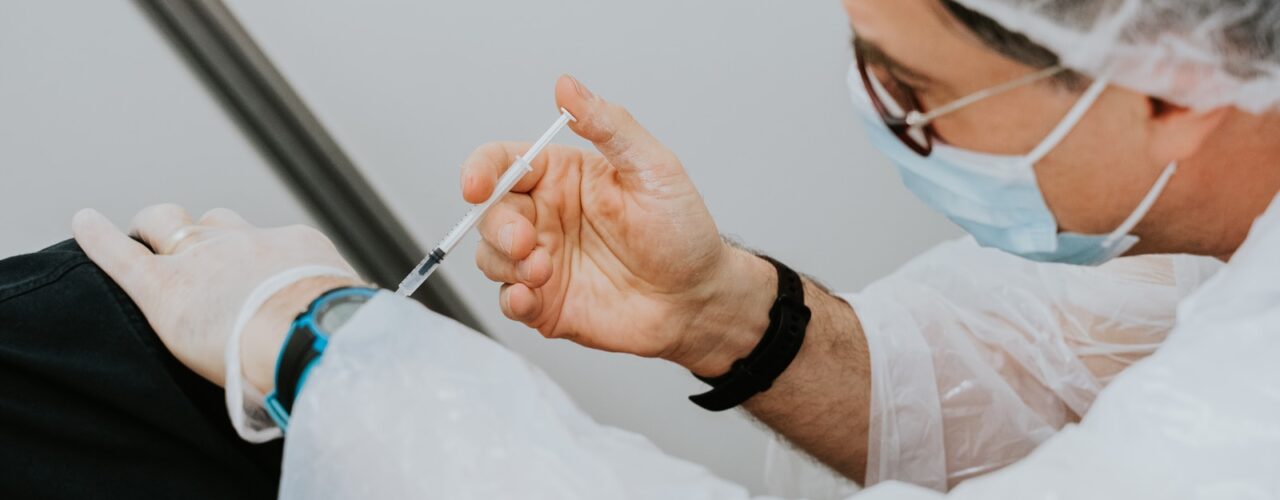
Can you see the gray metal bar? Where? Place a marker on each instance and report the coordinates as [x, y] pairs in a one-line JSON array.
[[297, 145]]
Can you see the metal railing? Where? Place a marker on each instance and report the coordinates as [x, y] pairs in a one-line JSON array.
[[297, 145]]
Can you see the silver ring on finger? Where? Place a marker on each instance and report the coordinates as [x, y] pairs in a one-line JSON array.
[[171, 243]]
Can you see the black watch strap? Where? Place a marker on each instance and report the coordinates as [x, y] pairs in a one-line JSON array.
[[305, 343], [295, 357], [788, 320]]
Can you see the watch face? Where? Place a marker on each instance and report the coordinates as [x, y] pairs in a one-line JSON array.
[[333, 314]]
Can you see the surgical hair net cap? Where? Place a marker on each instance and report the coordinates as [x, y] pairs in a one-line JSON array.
[[1197, 53]]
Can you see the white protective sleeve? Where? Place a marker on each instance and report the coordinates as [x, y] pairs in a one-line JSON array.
[[407, 404], [978, 356], [1199, 419]]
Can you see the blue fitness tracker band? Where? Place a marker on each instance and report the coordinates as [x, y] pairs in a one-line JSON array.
[[305, 344]]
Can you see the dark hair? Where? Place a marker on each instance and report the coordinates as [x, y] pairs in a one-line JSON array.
[[1011, 44]]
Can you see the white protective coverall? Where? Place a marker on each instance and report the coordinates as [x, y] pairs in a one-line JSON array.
[[977, 357]]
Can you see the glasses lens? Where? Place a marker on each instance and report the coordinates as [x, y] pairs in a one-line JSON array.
[[895, 101], [896, 98], [918, 135]]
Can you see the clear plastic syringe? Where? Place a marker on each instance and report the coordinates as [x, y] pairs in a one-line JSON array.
[[514, 173]]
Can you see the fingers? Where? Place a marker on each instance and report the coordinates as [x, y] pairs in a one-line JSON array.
[[519, 302], [481, 170], [623, 141], [509, 226], [533, 271], [158, 226], [122, 258], [222, 217]]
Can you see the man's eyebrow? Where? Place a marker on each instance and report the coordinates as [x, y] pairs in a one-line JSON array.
[[874, 55]]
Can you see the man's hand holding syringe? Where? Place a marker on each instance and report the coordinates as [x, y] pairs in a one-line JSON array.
[[514, 173]]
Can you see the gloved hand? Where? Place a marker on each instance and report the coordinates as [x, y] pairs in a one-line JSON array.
[[192, 287], [614, 250]]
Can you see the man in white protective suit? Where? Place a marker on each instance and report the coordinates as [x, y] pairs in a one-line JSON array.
[[1106, 157]]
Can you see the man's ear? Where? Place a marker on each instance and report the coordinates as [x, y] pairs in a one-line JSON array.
[[1177, 132]]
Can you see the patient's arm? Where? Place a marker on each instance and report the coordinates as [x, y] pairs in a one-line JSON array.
[[406, 404]]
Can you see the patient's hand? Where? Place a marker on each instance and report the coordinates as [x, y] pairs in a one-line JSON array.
[[192, 287]]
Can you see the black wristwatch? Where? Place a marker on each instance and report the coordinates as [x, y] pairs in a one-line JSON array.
[[305, 344], [788, 320]]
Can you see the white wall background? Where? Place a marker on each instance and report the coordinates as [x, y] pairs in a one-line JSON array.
[[95, 110]]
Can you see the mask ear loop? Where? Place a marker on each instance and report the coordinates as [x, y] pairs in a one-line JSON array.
[[1143, 207], [1068, 122]]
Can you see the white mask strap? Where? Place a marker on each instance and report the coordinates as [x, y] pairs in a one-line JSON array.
[[1143, 207], [1068, 122]]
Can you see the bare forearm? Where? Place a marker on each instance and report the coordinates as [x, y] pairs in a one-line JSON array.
[[821, 402]]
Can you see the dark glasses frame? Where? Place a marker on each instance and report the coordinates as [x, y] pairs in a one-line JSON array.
[[898, 125], [918, 121]]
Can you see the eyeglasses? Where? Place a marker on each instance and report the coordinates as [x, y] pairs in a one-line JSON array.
[[901, 111]]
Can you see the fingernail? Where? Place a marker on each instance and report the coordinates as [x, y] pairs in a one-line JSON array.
[[78, 220], [524, 268], [81, 216], [582, 89], [505, 236], [85, 216]]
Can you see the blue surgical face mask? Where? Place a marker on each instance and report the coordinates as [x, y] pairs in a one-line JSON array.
[[996, 197]]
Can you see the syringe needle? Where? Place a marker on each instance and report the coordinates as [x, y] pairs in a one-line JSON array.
[[514, 173]]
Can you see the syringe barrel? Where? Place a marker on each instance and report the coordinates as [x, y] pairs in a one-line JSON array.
[[514, 173], [543, 141], [509, 179], [414, 280]]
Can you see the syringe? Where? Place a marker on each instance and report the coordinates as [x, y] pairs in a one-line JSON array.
[[514, 173]]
